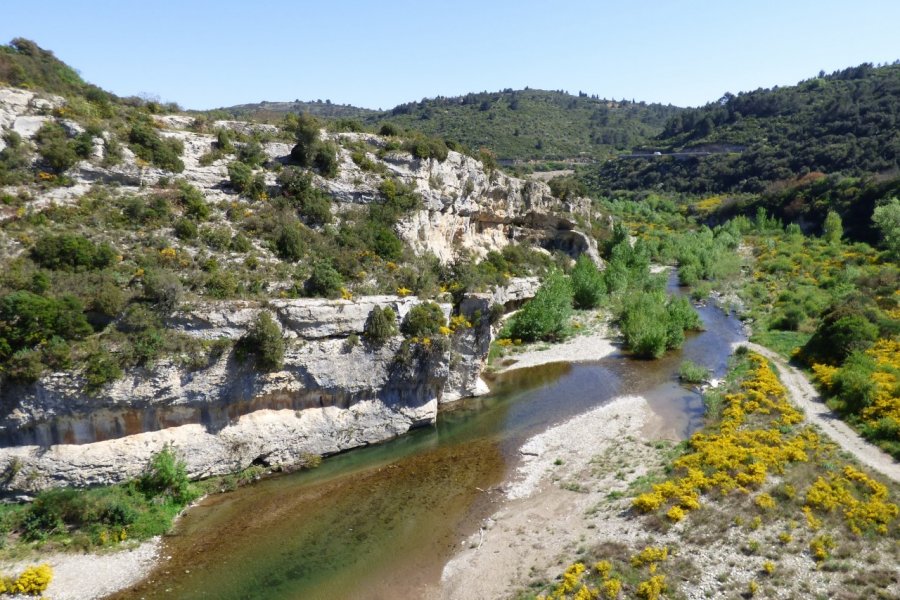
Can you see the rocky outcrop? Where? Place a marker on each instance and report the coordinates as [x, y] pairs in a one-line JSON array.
[[333, 393]]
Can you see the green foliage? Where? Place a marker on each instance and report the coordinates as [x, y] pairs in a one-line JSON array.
[[381, 325], [289, 243], [691, 372], [651, 323], [71, 252], [324, 281], [847, 327], [424, 147], [264, 342], [588, 287], [245, 182], [544, 317], [195, 206], [567, 188], [166, 477], [887, 219], [147, 145], [251, 154], [27, 320], [298, 192], [833, 228], [55, 148], [531, 124], [135, 510], [423, 320], [306, 129], [326, 159], [15, 160], [185, 229], [101, 368], [163, 290]]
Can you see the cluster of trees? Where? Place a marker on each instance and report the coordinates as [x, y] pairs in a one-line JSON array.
[[650, 320]]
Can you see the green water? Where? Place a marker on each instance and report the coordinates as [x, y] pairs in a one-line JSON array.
[[380, 522]]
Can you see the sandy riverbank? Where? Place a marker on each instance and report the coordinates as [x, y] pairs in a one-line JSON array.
[[93, 576]]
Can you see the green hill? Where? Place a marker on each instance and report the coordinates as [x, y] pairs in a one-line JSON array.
[[535, 124], [269, 111], [827, 143]]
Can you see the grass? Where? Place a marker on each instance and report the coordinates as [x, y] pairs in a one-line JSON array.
[[782, 342]]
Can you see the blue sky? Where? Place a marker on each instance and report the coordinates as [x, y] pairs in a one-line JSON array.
[[206, 54]]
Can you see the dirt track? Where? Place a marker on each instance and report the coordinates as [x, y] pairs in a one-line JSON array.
[[817, 412]]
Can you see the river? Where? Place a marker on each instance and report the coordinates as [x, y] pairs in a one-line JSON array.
[[380, 522]]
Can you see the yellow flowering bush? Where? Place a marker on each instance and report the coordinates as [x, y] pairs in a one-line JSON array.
[[861, 500], [33, 581]]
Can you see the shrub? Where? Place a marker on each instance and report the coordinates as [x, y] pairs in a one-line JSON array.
[[324, 281], [587, 284], [163, 289], [381, 325], [147, 145], [252, 154], [845, 328], [326, 160], [27, 319], [423, 320], [166, 477], [71, 252], [195, 206], [101, 368], [424, 147], [185, 229], [544, 317], [54, 147], [389, 129], [313, 204], [33, 581], [264, 342], [15, 160], [245, 182], [289, 243], [307, 132]]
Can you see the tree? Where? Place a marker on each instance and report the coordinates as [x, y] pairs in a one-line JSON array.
[[544, 317], [833, 228], [587, 283], [887, 219], [324, 281]]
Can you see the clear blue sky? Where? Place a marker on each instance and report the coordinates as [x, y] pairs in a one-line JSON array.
[[206, 54]]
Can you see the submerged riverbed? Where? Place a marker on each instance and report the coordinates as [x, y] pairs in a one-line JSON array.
[[380, 522]]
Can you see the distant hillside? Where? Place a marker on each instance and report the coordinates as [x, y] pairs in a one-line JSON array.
[[25, 64], [267, 111], [846, 122], [535, 124]]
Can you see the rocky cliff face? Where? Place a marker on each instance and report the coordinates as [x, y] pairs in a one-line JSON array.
[[332, 394]]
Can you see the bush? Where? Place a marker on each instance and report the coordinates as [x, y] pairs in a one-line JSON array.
[[166, 477], [307, 132], [264, 341], [252, 154], [423, 320], [324, 281], [651, 323], [313, 204], [389, 129], [326, 160], [185, 229], [54, 147], [27, 319], [101, 368], [15, 160], [195, 206], [424, 147], [71, 252], [163, 289], [289, 243], [148, 146], [381, 325], [846, 327], [544, 317], [587, 284], [245, 182]]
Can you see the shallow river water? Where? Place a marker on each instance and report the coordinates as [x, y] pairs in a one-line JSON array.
[[380, 522]]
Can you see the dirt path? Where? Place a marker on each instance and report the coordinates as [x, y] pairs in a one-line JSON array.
[[817, 412]]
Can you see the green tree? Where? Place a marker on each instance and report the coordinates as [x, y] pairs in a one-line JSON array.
[[289, 243], [545, 316], [588, 287], [324, 281], [833, 228], [423, 320], [887, 219]]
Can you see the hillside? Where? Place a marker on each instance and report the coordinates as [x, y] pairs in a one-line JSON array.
[[517, 125], [831, 142], [272, 111]]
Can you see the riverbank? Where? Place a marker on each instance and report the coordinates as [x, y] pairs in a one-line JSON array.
[[92, 576], [593, 342], [565, 494]]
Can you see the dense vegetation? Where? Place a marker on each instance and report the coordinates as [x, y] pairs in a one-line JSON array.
[[830, 142]]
